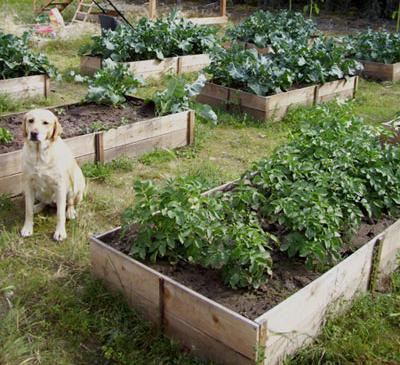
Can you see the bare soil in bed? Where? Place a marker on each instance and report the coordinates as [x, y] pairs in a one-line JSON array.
[[289, 275], [78, 119]]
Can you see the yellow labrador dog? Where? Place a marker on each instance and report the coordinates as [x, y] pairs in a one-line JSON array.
[[50, 173]]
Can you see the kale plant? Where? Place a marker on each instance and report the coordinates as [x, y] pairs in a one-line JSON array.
[[381, 46], [17, 59], [149, 39], [111, 84], [177, 98], [5, 136]]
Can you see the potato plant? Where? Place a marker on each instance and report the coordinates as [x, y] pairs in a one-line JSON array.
[[306, 199]]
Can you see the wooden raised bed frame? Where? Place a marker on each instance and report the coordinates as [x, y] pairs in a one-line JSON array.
[[152, 68], [219, 334], [274, 107], [221, 19], [170, 131], [27, 86], [381, 71]]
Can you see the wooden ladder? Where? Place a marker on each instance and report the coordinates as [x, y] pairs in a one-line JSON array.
[[51, 4], [80, 10]]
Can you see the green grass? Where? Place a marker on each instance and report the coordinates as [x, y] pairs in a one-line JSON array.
[[368, 333]]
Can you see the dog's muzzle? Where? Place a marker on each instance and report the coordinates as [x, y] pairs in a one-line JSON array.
[[34, 136]]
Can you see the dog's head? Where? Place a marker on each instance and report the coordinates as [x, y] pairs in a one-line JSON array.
[[41, 125]]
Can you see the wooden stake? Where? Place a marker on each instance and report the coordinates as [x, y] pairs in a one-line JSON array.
[[152, 9], [222, 7], [99, 147], [190, 129]]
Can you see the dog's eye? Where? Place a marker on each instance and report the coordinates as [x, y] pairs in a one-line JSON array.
[[31, 121], [45, 123]]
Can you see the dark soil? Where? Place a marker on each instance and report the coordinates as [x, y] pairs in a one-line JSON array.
[[289, 275], [79, 119]]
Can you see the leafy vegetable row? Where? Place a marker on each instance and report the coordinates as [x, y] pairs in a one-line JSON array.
[[264, 28], [148, 39], [377, 46], [17, 59], [293, 65], [307, 199]]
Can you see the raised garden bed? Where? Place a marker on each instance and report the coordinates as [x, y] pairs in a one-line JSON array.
[[129, 131], [226, 333], [275, 106], [28, 86], [381, 71], [152, 68]]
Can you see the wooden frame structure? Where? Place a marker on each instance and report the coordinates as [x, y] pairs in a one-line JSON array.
[[381, 71], [219, 334], [170, 131], [26, 86], [221, 19], [274, 107]]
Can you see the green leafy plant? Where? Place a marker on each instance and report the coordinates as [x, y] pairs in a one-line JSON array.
[[377, 46], [5, 136], [177, 98], [293, 65], [265, 29], [96, 126], [17, 59], [111, 84], [148, 39], [307, 199]]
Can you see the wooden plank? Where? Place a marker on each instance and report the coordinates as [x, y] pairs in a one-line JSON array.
[[201, 344], [10, 163], [222, 8], [210, 20], [152, 9], [378, 71], [22, 87], [396, 72], [138, 283], [190, 127], [339, 89], [194, 63], [297, 320], [11, 185], [144, 130], [170, 140], [210, 318], [82, 145], [90, 64], [154, 68], [214, 91], [99, 147], [389, 260]]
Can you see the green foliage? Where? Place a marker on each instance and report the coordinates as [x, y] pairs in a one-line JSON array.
[[111, 83], [161, 38], [177, 98], [293, 65], [5, 136], [312, 7], [264, 28], [333, 173], [17, 59], [377, 46], [178, 223], [315, 191], [96, 126]]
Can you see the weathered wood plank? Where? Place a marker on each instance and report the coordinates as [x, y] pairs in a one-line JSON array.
[[28, 86], [210, 318], [210, 20], [389, 259], [90, 64], [201, 344], [11, 185], [145, 129], [154, 68], [297, 320], [138, 283], [381, 71], [339, 89], [193, 63], [10, 163]]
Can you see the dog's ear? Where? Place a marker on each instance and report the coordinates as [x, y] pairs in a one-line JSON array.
[[57, 130], [24, 123]]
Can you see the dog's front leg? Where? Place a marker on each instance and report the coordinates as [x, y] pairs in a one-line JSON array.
[[61, 199], [27, 229]]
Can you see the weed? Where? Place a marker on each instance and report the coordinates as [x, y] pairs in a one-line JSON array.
[[158, 156]]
